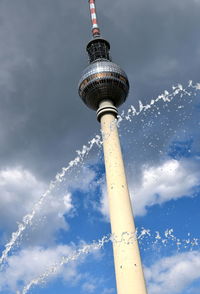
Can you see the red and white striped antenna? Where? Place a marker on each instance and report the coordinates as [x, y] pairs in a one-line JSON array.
[[95, 27]]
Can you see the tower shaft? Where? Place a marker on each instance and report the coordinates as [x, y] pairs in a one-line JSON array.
[[128, 266], [103, 87]]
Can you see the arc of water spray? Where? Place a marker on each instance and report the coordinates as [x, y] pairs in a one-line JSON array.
[[86, 249], [131, 112], [158, 238], [165, 97]]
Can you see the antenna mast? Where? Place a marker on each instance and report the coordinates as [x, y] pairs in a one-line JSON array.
[[93, 15]]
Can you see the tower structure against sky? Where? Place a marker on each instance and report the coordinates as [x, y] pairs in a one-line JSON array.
[[103, 87]]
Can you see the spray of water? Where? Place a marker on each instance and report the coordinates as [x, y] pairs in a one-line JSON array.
[[165, 97], [145, 236], [27, 219], [86, 249], [157, 239]]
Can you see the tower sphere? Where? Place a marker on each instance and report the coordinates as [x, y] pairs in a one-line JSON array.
[[102, 80]]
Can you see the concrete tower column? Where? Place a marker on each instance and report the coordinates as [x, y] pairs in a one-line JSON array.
[[128, 267]]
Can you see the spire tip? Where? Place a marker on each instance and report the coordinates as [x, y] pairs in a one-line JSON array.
[[95, 27]]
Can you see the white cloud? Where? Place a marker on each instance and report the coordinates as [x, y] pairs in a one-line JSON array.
[[19, 191], [68, 202], [92, 283], [88, 287], [172, 179], [38, 265], [81, 179], [173, 274], [32, 262], [104, 207]]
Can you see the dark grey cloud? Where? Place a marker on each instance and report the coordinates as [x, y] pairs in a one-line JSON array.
[[42, 54], [41, 113], [157, 42]]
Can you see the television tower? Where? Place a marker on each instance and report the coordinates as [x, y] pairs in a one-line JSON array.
[[103, 87]]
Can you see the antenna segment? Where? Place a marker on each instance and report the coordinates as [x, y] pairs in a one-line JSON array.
[[95, 27]]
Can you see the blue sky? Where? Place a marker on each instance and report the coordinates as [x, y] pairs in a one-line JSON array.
[[43, 123]]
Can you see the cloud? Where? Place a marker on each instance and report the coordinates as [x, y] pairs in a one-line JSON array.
[[38, 90], [173, 274], [93, 284], [171, 179], [36, 265], [104, 206], [18, 185], [19, 191], [32, 262], [88, 287], [81, 178]]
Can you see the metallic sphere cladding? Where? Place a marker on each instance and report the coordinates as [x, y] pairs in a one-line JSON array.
[[103, 80]]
